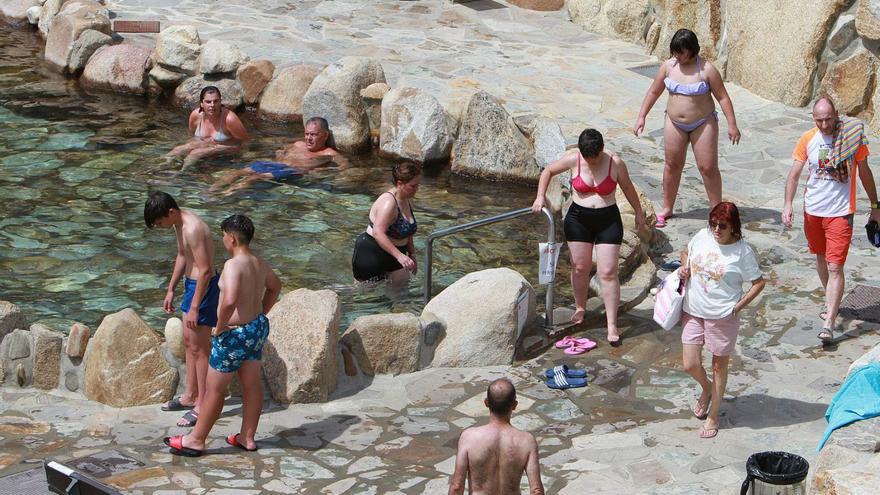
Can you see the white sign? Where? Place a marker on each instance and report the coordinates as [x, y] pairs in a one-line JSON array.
[[548, 256]]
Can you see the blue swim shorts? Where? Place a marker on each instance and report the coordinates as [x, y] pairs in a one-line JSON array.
[[244, 343], [208, 304], [279, 171]]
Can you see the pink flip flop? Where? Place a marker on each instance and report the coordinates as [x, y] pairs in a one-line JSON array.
[[661, 222], [570, 341], [580, 348]]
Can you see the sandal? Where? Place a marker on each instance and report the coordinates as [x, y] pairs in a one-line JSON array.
[[570, 341], [175, 405], [708, 433], [700, 411], [561, 382], [826, 336], [565, 370], [661, 222], [189, 419], [177, 448], [233, 440], [580, 348]]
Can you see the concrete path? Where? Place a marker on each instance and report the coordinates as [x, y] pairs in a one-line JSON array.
[[630, 431]]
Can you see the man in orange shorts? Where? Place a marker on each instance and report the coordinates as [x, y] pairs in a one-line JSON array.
[[836, 152]]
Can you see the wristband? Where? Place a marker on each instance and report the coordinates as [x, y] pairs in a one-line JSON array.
[[875, 205]]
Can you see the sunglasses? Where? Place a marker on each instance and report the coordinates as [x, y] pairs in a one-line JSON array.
[[722, 226]]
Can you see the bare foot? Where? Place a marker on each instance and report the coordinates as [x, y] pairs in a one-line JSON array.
[[578, 317]]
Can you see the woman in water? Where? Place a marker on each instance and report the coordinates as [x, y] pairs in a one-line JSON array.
[[717, 263], [594, 219], [216, 130], [386, 249], [690, 118]]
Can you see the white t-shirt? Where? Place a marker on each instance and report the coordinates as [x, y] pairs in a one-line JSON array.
[[829, 192], [718, 272]]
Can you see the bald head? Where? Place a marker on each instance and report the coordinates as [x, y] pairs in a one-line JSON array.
[[501, 397], [825, 115]]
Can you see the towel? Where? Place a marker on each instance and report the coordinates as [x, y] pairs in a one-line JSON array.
[[848, 137], [857, 399]]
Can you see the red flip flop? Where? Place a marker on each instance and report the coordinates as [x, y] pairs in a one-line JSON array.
[[177, 448], [233, 440]]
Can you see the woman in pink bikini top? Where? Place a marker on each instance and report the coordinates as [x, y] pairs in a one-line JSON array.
[[593, 219]]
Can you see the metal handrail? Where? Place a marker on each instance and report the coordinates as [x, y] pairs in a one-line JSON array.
[[551, 237]]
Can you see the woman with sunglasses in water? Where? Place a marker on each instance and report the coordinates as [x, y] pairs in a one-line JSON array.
[[716, 264]]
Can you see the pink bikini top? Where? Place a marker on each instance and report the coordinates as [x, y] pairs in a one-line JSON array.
[[604, 188]]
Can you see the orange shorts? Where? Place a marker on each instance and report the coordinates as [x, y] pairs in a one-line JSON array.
[[829, 236]]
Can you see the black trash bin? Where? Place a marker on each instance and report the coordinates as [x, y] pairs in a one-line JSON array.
[[775, 473]]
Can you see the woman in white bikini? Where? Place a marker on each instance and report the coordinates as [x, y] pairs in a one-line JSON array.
[[690, 118], [216, 130]]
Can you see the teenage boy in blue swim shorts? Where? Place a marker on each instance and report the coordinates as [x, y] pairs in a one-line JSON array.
[[195, 263], [249, 289]]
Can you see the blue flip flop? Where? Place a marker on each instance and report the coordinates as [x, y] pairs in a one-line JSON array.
[[560, 381], [565, 370]]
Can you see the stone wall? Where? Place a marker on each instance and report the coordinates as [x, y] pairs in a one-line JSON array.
[[769, 48]]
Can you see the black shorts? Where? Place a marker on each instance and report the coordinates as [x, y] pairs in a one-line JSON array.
[[370, 262], [593, 225]]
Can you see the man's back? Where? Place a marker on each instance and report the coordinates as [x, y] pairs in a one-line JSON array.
[[497, 456]]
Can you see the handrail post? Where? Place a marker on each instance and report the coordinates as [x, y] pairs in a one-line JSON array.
[[429, 243]]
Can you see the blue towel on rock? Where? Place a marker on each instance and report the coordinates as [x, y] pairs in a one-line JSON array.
[[857, 399]]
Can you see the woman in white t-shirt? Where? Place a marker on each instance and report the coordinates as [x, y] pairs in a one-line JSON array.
[[716, 263]]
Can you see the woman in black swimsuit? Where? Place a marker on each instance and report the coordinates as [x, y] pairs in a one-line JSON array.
[[386, 249]]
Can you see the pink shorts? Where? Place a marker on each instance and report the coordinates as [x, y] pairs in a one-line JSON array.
[[719, 335]]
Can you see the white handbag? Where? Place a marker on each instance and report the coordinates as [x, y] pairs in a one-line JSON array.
[[667, 303]]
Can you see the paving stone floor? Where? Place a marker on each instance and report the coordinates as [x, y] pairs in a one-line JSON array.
[[630, 430]]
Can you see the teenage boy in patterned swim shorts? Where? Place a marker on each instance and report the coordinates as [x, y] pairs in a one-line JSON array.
[[248, 290]]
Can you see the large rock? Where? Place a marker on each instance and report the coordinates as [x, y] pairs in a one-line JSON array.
[[74, 18], [490, 144], [187, 94], [83, 48], [11, 318], [219, 57], [47, 14], [846, 82], [843, 33], [47, 358], [299, 360], [870, 357], [17, 9], [414, 126], [868, 19], [124, 364], [118, 68], [547, 141], [78, 340], [761, 59], [174, 338], [335, 94], [703, 18], [849, 463], [626, 19], [15, 355], [483, 314], [167, 79], [386, 343], [283, 96], [177, 49], [253, 78]]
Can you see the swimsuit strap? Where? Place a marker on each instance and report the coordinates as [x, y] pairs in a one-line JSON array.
[[579, 165]]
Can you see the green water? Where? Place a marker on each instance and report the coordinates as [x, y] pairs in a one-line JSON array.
[[75, 169]]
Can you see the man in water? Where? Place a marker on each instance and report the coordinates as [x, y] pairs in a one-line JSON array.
[[493, 457], [250, 289], [836, 152], [194, 262], [302, 157]]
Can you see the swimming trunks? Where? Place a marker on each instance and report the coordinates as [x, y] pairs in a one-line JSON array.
[[218, 137], [369, 262], [604, 188], [243, 343], [689, 89], [208, 304], [593, 225], [278, 170], [401, 228]]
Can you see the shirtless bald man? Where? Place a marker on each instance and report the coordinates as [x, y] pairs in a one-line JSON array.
[[304, 156], [479, 458]]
